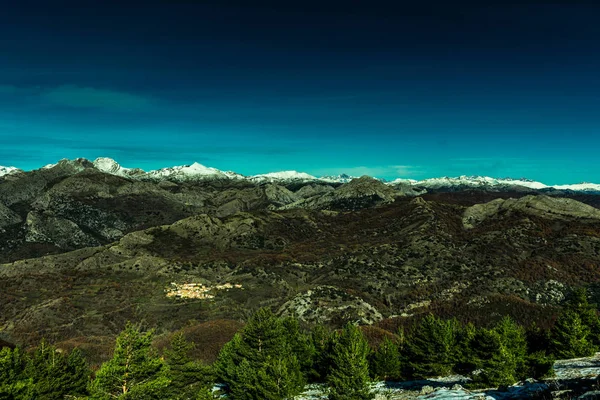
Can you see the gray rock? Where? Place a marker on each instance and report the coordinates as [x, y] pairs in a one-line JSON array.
[[8, 217], [60, 232], [537, 205]]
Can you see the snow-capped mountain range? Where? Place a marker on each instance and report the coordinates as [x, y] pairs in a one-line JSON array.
[[196, 171]]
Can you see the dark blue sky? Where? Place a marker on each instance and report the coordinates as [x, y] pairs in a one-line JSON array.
[[324, 87]]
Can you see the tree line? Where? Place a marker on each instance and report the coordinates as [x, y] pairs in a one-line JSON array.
[[272, 358]]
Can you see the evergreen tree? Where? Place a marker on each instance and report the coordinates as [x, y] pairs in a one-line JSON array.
[[134, 372], [300, 345], [496, 364], [539, 360], [263, 336], [432, 348], [569, 336], [514, 341], [229, 361], [204, 394], [500, 354], [349, 375], [279, 378], [260, 363], [187, 377], [13, 381], [578, 303], [540, 365], [322, 344], [385, 361], [465, 361], [54, 374]]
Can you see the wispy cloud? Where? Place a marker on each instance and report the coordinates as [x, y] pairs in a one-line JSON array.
[[386, 171], [89, 97], [74, 96]]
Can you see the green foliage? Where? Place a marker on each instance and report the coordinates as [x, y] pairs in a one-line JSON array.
[[261, 362], [433, 347], [53, 374], [465, 362], [578, 302], [263, 336], [514, 342], [134, 372], [300, 345], [13, 381], [349, 375], [496, 364], [322, 343], [500, 354], [539, 365], [187, 377], [569, 337], [204, 394], [385, 361]]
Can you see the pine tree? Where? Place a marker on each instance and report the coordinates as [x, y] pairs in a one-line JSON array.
[[187, 376], [540, 362], [260, 350], [569, 337], [134, 372], [13, 381], [465, 361], [349, 375], [432, 348], [496, 364], [500, 354], [54, 374], [321, 339], [229, 360], [279, 378], [514, 341], [300, 345], [385, 361], [578, 303], [263, 336], [204, 394]]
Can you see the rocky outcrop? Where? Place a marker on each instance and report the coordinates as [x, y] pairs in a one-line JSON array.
[[359, 193], [541, 206], [313, 190], [324, 304], [8, 217], [60, 232]]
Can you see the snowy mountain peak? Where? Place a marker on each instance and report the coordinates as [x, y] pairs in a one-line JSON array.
[[199, 172], [194, 171], [108, 165], [341, 178], [472, 182], [284, 176], [8, 170]]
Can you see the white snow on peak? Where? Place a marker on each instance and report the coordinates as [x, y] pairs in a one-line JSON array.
[[191, 172], [110, 166], [342, 178], [402, 180], [580, 187], [471, 181], [198, 171], [284, 176], [8, 170]]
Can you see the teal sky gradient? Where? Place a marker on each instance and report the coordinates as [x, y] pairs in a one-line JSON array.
[[503, 91]]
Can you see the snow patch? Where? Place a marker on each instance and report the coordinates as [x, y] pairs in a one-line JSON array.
[[283, 176], [8, 170]]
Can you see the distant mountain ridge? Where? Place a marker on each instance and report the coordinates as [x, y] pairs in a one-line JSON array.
[[196, 172]]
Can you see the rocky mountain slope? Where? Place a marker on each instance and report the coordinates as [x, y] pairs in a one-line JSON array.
[[85, 250], [86, 246]]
